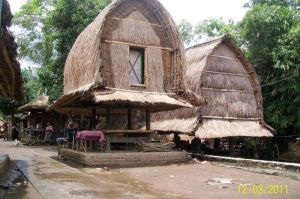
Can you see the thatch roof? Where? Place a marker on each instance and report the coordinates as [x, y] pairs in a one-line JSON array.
[[119, 98], [11, 84], [40, 103], [218, 71], [99, 57]]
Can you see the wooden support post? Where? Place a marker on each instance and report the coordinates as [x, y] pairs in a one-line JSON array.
[[108, 118], [93, 123], [148, 119], [129, 118], [81, 122]]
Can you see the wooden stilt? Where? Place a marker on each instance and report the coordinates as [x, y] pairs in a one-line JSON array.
[[148, 119], [93, 123], [129, 117], [108, 118]]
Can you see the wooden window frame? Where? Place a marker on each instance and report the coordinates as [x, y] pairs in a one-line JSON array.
[[143, 69]]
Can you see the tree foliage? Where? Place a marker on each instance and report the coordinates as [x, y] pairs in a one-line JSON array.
[[270, 31], [187, 31], [207, 28], [31, 84], [49, 29]]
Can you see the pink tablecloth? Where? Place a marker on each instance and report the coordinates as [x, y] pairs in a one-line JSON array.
[[91, 135]]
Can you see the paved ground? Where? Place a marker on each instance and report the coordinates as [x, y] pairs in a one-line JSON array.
[[49, 178]]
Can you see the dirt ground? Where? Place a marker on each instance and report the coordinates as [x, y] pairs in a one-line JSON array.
[[49, 178]]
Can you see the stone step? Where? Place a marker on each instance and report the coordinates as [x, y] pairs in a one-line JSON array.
[[4, 163]]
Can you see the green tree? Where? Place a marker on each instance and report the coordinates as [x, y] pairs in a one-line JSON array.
[[49, 30], [187, 31], [209, 28], [31, 84], [270, 32], [8, 106]]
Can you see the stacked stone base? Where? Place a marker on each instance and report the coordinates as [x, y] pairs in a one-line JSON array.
[[124, 159]]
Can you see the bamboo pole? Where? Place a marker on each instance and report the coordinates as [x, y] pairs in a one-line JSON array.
[[137, 45], [138, 21], [231, 118], [108, 118], [129, 118], [227, 90], [93, 123], [148, 119], [231, 74]]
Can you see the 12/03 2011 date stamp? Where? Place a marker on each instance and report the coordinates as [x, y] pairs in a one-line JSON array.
[[260, 189]]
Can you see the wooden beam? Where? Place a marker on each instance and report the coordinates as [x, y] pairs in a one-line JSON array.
[[129, 119], [224, 57], [231, 118], [93, 123], [220, 73], [108, 118], [228, 90], [138, 45], [148, 119], [134, 20]]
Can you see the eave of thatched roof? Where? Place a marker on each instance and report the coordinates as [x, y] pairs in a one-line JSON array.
[[215, 128], [120, 98], [11, 84], [40, 103], [216, 119]]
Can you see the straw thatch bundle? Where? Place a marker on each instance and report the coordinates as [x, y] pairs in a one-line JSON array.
[[99, 59], [11, 84], [40, 103], [218, 71]]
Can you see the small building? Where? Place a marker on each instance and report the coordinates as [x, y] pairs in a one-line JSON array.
[[218, 71], [11, 84], [34, 117], [130, 57]]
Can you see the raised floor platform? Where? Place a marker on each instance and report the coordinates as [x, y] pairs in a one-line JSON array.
[[124, 159]]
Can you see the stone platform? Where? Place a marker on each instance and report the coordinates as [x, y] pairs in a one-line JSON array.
[[124, 159], [4, 163]]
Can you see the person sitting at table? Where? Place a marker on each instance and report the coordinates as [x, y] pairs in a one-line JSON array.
[[15, 132], [48, 133], [38, 126]]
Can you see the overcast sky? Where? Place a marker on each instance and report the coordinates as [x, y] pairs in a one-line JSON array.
[[191, 10]]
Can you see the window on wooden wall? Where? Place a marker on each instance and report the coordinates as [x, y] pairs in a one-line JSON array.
[[136, 63]]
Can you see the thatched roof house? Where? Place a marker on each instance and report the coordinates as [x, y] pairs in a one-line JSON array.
[[39, 104], [131, 55], [10, 73], [218, 71], [35, 112]]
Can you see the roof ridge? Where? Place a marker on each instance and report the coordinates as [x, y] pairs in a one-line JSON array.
[[209, 41]]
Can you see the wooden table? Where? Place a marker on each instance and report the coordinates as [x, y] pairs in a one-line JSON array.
[[89, 138]]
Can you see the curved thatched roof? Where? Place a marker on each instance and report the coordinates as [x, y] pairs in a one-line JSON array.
[[218, 71], [11, 84], [98, 59], [40, 103]]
